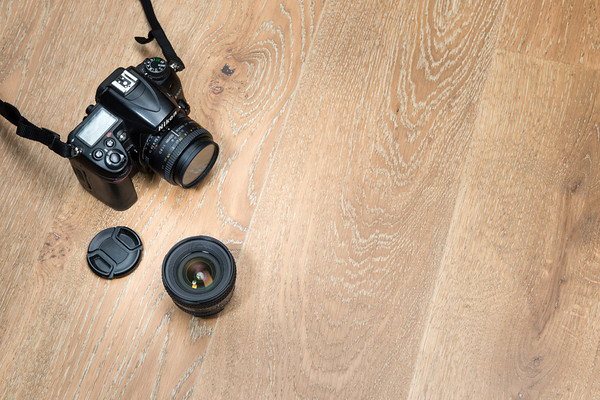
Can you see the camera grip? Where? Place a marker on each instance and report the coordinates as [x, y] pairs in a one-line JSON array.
[[117, 193]]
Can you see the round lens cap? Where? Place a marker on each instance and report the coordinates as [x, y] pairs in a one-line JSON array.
[[114, 252]]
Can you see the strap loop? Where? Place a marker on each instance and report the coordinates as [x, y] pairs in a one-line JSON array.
[[158, 33], [27, 130], [51, 139], [143, 40]]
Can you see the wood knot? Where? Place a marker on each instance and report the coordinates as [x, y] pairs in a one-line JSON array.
[[575, 185], [227, 70], [216, 89]]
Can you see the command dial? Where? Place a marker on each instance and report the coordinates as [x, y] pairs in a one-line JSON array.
[[156, 67]]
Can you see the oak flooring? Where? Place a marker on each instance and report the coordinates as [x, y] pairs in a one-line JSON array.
[[410, 190]]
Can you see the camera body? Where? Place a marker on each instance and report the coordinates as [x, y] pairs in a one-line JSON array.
[[139, 123]]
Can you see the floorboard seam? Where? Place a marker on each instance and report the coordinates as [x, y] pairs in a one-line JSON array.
[[456, 204], [275, 150]]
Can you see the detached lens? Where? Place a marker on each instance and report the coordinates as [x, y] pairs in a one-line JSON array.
[[199, 275], [183, 155]]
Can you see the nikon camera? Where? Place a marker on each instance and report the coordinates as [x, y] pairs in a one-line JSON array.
[[139, 123]]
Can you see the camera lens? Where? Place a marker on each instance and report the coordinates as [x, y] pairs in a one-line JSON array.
[[183, 155], [195, 164], [199, 275]]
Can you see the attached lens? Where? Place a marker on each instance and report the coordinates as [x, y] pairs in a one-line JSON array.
[[183, 155], [199, 275], [195, 164]]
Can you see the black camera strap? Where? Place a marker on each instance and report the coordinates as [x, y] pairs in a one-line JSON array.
[[51, 139], [28, 130], [158, 33]]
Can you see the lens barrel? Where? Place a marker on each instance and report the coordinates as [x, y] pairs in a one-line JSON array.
[[183, 155], [199, 274]]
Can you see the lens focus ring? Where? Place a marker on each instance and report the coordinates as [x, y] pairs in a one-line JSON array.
[[182, 144], [179, 149]]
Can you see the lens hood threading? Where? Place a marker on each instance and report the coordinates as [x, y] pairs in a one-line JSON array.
[[199, 274]]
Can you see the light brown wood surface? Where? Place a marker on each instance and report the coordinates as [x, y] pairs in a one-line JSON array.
[[410, 190]]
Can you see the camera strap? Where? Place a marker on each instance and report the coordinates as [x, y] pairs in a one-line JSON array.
[[51, 139], [27, 130], [158, 33]]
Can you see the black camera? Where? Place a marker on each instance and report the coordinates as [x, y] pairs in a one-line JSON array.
[[139, 123]]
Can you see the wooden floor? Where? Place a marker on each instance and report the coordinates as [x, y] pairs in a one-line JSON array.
[[411, 190]]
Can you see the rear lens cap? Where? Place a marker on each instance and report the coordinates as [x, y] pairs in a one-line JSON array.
[[114, 252]]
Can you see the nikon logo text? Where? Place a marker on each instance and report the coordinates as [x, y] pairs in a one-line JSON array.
[[166, 121]]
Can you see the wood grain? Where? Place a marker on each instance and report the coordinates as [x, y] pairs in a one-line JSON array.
[[515, 310], [343, 250], [32, 179], [564, 31], [409, 189]]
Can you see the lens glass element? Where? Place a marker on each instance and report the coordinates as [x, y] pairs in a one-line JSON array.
[[198, 165], [198, 273]]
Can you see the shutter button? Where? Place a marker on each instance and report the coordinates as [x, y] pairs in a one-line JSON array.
[[114, 158]]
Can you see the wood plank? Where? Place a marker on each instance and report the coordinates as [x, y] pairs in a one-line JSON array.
[[515, 311], [364, 135], [33, 178], [565, 31], [110, 339], [342, 255]]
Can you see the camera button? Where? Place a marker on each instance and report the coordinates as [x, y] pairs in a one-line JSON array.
[[114, 159], [109, 142], [98, 154]]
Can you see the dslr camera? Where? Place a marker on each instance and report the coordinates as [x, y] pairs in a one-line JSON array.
[[139, 123]]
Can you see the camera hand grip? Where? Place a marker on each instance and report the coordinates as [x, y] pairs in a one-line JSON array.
[[118, 193]]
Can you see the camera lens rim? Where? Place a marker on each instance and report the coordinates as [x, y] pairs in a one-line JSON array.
[[187, 157], [209, 300], [171, 152]]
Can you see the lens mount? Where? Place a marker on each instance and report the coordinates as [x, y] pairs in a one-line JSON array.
[[199, 274]]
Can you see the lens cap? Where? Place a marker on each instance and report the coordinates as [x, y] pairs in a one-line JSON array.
[[114, 252]]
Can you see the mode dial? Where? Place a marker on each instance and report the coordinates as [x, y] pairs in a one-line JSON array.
[[156, 68]]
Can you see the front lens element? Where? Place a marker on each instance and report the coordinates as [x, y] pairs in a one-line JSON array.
[[198, 273], [200, 165]]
